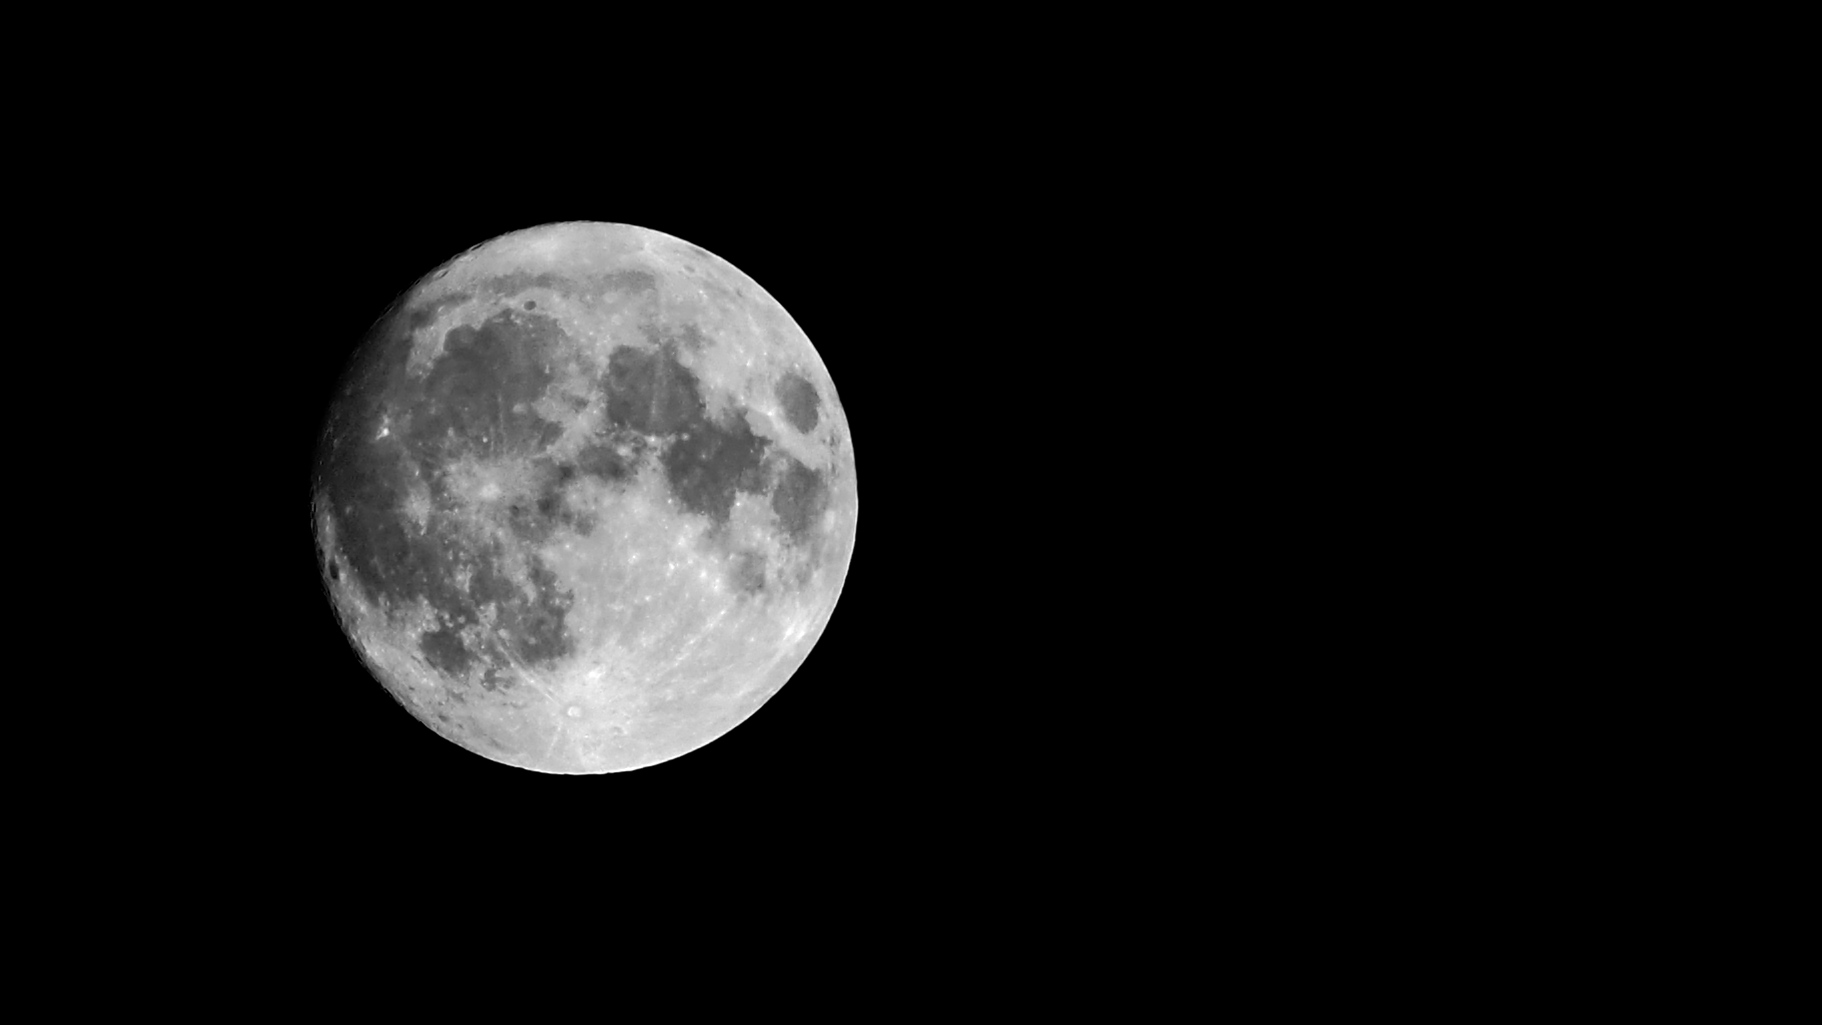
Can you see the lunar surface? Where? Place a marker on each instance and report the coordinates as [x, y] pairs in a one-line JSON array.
[[585, 498]]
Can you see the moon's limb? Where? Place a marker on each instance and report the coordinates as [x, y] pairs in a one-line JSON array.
[[682, 610]]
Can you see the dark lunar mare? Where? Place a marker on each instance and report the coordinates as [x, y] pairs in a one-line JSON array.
[[749, 572], [706, 459], [507, 285], [797, 397], [711, 460], [799, 499], [649, 392], [473, 389], [476, 398], [604, 461], [628, 280]]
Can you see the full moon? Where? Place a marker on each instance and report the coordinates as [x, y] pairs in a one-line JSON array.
[[585, 498]]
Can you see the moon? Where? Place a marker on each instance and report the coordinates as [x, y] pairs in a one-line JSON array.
[[585, 498]]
